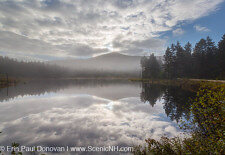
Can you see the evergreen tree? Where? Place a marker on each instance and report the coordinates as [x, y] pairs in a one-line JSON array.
[[221, 57], [180, 60], [150, 67], [173, 62], [168, 63], [199, 59], [211, 64], [188, 64], [144, 64], [206, 61], [154, 67]]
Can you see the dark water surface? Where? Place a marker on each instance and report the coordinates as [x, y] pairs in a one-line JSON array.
[[89, 113]]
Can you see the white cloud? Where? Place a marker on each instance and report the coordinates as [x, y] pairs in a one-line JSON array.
[[94, 24], [201, 28], [139, 47], [178, 31]]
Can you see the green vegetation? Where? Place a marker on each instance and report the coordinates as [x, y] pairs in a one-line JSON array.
[[150, 67], [204, 61], [206, 127]]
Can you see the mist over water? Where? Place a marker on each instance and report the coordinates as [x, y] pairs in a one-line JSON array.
[[89, 112]]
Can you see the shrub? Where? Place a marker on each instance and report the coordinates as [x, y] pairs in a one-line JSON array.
[[206, 127]]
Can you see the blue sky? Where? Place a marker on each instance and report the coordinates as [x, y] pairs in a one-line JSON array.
[[214, 22], [62, 29]]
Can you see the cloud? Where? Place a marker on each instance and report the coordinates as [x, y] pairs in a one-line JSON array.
[[15, 45], [93, 25], [178, 31], [137, 47], [82, 50], [201, 28]]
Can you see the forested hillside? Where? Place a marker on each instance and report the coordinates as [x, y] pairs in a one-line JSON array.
[[110, 65]]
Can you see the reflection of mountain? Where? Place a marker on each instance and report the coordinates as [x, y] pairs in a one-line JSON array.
[[109, 63], [108, 89]]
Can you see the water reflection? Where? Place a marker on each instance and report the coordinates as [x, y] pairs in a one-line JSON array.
[[177, 103], [82, 113], [151, 93], [110, 89]]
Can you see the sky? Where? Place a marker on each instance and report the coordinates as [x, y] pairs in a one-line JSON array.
[[62, 29]]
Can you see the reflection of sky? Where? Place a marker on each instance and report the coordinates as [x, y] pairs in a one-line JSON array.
[[63, 119]]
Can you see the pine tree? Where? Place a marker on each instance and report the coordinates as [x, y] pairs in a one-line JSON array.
[[180, 60], [199, 59], [211, 64], [188, 66], [173, 62], [154, 67], [221, 56], [168, 63], [144, 63]]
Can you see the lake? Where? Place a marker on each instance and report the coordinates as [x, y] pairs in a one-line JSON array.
[[90, 113]]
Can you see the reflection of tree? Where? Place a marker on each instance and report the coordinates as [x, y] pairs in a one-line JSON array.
[[40, 87], [176, 103], [151, 93], [176, 100]]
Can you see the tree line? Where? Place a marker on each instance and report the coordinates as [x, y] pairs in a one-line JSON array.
[[205, 60], [40, 70], [23, 69]]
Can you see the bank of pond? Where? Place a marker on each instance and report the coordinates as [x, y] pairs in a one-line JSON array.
[[206, 127]]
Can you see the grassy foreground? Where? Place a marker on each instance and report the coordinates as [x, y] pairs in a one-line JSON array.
[[206, 127]]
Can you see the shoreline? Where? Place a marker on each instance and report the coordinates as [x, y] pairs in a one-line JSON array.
[[187, 84]]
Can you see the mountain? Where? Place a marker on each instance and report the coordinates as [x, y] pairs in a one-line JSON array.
[[113, 64], [108, 63]]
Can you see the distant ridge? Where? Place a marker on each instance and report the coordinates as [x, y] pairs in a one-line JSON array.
[[109, 63], [114, 54]]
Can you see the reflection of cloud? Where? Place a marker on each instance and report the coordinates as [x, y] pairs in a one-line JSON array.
[[134, 105], [81, 120]]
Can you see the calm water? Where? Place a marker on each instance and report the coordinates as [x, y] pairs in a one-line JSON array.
[[89, 113]]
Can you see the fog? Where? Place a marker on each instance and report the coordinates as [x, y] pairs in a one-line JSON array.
[[112, 63]]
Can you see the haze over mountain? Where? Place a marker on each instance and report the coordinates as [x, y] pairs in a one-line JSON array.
[[110, 63]]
